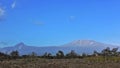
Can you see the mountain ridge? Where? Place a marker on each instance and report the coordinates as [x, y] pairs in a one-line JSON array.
[[80, 46]]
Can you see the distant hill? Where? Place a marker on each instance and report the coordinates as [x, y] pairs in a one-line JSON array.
[[79, 46]]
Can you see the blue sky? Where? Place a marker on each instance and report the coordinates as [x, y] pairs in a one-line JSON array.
[[56, 22]]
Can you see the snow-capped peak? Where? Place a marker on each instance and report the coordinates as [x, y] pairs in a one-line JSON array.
[[84, 42]]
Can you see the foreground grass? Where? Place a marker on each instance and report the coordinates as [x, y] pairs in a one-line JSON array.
[[90, 62]]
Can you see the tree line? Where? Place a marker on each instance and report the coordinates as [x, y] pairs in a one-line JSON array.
[[107, 52]]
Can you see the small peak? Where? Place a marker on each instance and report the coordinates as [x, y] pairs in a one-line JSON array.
[[20, 45]]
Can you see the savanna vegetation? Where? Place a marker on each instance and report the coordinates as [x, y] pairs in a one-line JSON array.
[[107, 58]]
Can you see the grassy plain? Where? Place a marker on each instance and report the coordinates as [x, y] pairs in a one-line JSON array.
[[88, 62]]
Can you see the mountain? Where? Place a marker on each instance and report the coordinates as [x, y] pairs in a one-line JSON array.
[[79, 46], [87, 46]]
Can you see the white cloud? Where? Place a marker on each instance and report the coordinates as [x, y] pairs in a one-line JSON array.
[[2, 13], [72, 17], [13, 5]]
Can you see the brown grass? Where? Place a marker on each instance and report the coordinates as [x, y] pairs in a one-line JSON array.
[[93, 62]]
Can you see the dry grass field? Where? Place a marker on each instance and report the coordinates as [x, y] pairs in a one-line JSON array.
[[62, 63]]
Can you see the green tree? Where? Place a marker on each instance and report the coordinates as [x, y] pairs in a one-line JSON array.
[[14, 54], [47, 55], [106, 52], [60, 54], [84, 55], [95, 53], [72, 54], [50, 56], [3, 56], [115, 52], [33, 54]]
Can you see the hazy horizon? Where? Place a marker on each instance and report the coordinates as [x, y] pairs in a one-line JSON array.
[[57, 22]]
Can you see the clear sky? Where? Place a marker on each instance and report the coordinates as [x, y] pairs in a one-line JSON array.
[[56, 22]]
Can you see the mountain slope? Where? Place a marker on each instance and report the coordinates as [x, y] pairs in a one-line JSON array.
[[87, 46], [80, 46]]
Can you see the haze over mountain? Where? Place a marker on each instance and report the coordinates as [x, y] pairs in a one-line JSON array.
[[79, 46]]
